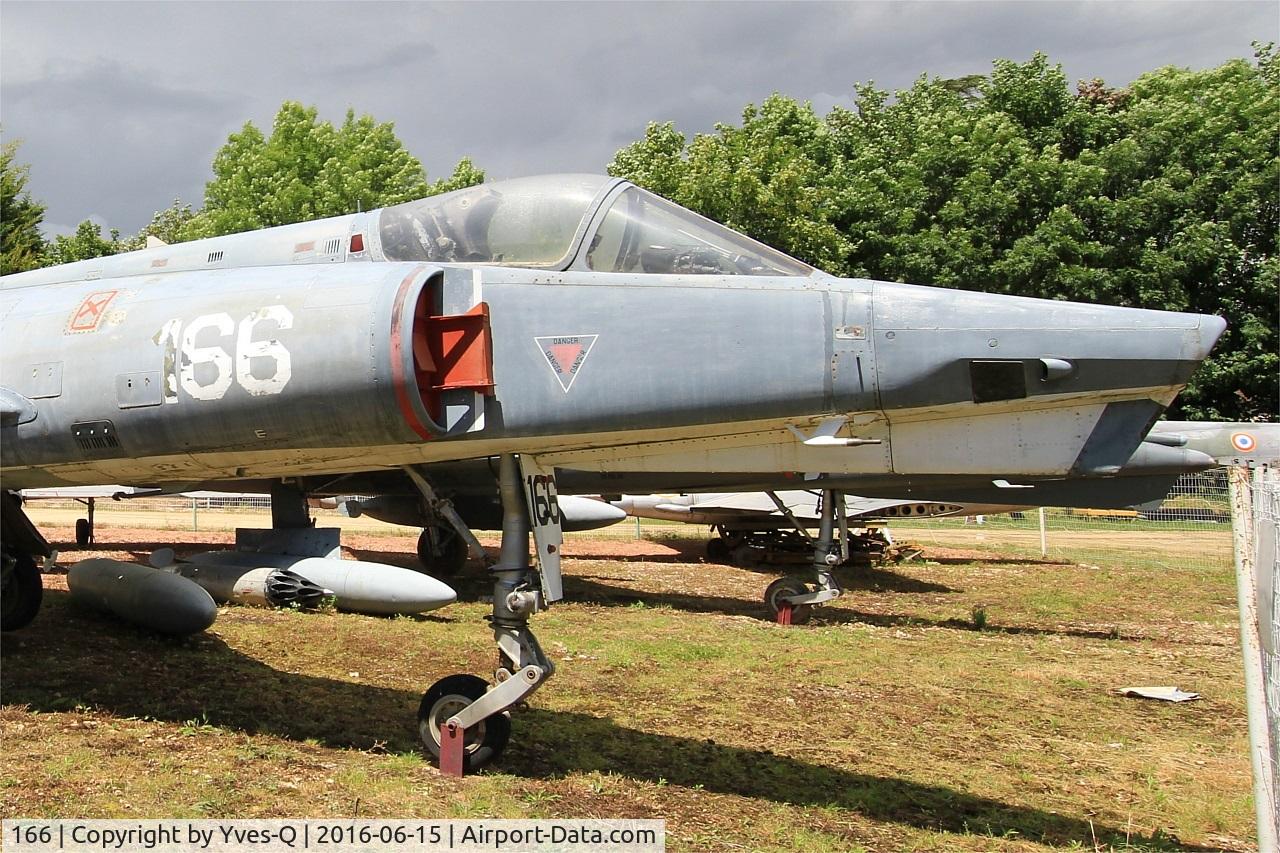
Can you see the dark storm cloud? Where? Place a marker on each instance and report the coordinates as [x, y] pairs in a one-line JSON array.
[[381, 62], [122, 105], [95, 130]]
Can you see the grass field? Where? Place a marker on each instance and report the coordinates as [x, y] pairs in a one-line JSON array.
[[892, 722]]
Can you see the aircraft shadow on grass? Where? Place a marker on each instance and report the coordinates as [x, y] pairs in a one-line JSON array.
[[587, 590], [597, 589], [114, 668]]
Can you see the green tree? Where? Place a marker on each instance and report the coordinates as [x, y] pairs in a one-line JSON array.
[[174, 224], [1159, 196], [21, 244], [308, 169], [86, 243]]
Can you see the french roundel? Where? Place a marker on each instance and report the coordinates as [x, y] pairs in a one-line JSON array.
[[1243, 442]]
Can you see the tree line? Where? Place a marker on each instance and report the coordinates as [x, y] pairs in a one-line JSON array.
[[304, 169], [1164, 194]]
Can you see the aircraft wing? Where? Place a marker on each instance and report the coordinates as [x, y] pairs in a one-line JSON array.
[[802, 503], [82, 492]]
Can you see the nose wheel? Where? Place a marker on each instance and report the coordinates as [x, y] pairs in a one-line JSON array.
[[482, 742], [778, 595]]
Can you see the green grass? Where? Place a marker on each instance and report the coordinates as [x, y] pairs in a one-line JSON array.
[[892, 722]]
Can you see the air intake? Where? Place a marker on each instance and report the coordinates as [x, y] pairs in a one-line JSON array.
[[95, 435]]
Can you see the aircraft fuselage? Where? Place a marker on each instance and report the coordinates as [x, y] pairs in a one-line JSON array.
[[274, 371]]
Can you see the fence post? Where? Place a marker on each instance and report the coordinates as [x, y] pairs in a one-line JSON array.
[[1044, 539], [195, 520], [1244, 544]]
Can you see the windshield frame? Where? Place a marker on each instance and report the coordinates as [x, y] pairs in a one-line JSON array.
[[621, 186]]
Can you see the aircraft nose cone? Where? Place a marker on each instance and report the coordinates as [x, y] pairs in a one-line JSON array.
[[1211, 328], [422, 594], [159, 601], [581, 513], [376, 588]]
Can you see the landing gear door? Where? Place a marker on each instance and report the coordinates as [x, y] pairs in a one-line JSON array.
[[544, 518]]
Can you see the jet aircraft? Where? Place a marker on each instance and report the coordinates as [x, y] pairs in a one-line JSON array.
[[573, 323]]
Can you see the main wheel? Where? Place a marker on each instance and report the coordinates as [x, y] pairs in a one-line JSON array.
[[717, 550], [782, 588], [483, 742], [446, 555], [20, 593], [84, 533]]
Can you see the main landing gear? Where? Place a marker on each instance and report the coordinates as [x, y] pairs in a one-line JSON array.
[[791, 599], [462, 721], [443, 546], [441, 551], [21, 589]]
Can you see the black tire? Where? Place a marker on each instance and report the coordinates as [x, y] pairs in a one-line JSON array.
[[84, 533], [21, 593], [485, 741], [452, 556], [783, 587], [717, 550]]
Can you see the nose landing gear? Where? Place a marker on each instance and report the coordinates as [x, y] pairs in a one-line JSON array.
[[461, 720], [791, 599]]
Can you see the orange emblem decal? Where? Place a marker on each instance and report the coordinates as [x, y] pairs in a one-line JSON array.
[[88, 317]]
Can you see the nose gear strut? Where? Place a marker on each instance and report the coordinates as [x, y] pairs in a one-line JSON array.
[[461, 721]]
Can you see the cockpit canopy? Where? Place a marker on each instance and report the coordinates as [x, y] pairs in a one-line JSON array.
[[582, 221]]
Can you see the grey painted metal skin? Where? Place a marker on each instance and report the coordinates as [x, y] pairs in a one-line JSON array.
[[261, 587], [1199, 445], [685, 373], [357, 586], [156, 600], [1246, 444]]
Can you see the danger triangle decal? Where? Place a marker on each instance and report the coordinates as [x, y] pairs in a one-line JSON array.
[[566, 354]]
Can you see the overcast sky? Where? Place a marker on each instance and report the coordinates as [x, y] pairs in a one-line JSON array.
[[121, 106]]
